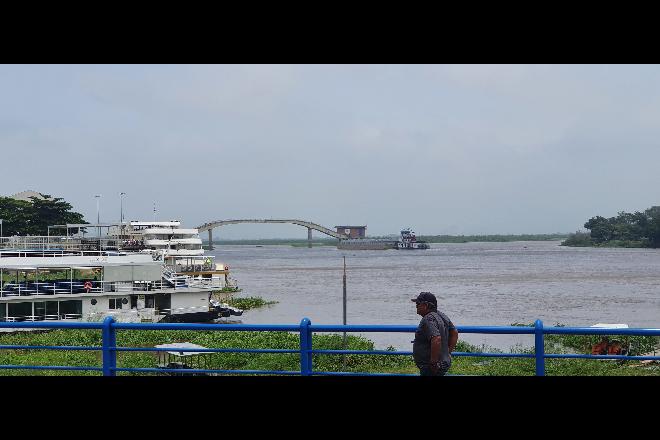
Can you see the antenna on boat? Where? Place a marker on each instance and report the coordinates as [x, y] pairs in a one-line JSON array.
[[154, 211], [98, 215]]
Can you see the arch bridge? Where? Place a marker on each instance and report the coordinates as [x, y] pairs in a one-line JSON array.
[[309, 225]]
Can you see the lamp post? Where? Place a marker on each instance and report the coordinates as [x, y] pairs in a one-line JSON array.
[[98, 216], [121, 213], [1, 220]]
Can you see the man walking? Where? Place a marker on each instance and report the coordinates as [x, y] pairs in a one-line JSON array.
[[435, 337]]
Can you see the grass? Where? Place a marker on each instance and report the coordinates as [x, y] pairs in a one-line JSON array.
[[216, 339], [481, 366]]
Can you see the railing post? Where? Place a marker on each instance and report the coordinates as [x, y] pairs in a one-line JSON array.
[[109, 344], [305, 347], [539, 348]]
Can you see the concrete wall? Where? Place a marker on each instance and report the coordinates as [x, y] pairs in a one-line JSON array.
[[142, 272]]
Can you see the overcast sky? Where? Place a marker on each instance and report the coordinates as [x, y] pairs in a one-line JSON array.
[[458, 149]]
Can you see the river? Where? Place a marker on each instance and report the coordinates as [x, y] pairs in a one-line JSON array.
[[475, 283]]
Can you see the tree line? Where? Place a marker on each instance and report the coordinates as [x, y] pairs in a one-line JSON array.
[[494, 238], [20, 217], [639, 229]]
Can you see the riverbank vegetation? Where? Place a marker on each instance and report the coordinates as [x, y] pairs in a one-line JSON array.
[[33, 218], [291, 361], [500, 238], [228, 289], [250, 302], [246, 303], [640, 229], [497, 238]]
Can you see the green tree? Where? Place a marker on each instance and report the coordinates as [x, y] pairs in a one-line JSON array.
[[653, 227], [578, 239], [602, 230], [626, 229], [15, 215], [33, 218]]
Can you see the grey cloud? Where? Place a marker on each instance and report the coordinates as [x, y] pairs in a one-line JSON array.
[[473, 149]]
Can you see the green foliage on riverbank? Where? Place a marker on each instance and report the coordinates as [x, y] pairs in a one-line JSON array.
[[228, 289], [578, 239], [641, 229], [251, 302], [291, 361], [497, 238], [33, 218]]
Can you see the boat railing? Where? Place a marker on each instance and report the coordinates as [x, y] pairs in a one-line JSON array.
[[182, 268], [76, 287], [206, 282], [21, 252], [130, 314], [60, 242]]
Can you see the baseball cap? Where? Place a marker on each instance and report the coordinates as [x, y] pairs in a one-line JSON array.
[[426, 297]]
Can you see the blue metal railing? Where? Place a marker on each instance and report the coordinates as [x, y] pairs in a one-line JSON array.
[[306, 351]]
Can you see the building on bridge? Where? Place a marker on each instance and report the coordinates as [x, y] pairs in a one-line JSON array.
[[352, 231]]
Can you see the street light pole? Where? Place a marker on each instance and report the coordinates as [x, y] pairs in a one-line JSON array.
[[98, 215], [121, 215]]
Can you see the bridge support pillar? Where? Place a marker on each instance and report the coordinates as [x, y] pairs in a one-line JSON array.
[[309, 237], [210, 239]]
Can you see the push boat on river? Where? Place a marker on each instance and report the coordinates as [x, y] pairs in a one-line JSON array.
[[409, 241]]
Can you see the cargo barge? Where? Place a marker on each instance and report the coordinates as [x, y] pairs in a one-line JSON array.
[[408, 241], [366, 244]]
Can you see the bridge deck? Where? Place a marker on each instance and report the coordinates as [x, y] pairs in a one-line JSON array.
[[211, 225]]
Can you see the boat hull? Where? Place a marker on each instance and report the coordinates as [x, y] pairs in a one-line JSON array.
[[195, 317]]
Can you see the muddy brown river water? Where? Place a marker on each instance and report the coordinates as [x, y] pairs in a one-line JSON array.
[[476, 284]]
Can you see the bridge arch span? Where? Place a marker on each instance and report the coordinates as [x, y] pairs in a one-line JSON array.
[[209, 226]]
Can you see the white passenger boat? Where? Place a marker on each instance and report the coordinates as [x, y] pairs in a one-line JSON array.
[[37, 285], [164, 237], [179, 248]]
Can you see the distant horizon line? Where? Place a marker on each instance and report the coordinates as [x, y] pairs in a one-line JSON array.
[[395, 235]]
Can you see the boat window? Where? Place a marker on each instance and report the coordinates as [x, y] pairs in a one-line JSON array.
[[72, 307], [114, 303], [149, 301], [52, 308], [40, 308], [19, 309]]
